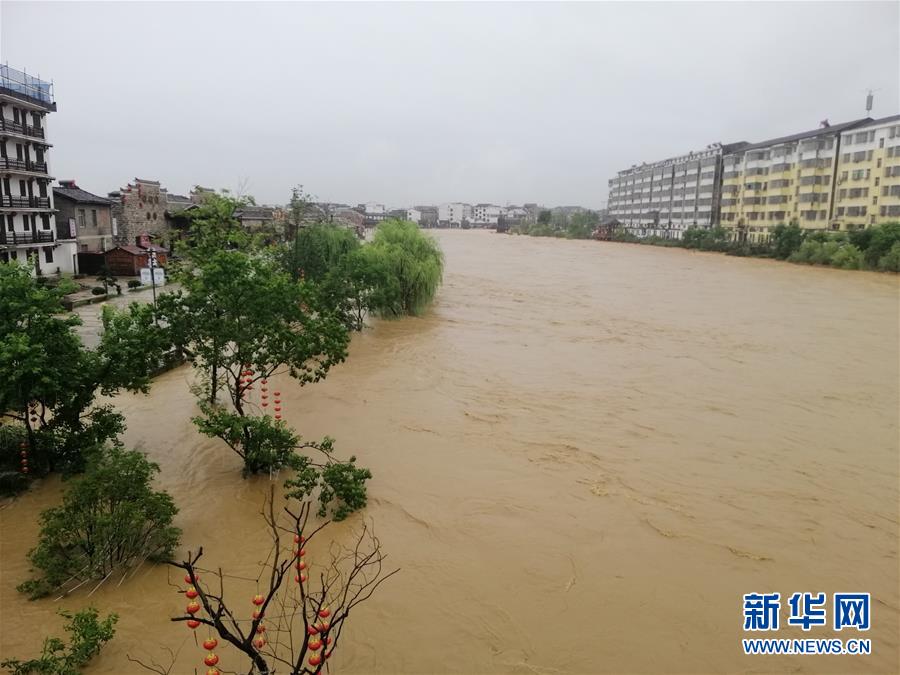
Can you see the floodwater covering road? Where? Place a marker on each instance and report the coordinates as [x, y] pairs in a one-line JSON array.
[[583, 456]]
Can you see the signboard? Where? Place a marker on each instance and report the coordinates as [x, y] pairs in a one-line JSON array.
[[158, 272], [115, 228], [72, 231]]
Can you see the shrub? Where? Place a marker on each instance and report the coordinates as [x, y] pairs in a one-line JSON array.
[[109, 519], [98, 290], [882, 240], [87, 635], [134, 283], [786, 240], [807, 252], [847, 257], [890, 261]]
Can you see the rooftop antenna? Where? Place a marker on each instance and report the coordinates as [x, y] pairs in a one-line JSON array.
[[870, 98]]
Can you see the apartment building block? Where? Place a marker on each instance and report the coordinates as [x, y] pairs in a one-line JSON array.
[[868, 181], [28, 226]]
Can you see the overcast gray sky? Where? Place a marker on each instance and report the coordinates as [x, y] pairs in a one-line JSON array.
[[423, 103]]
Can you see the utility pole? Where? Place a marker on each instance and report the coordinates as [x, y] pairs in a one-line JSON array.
[[152, 261]]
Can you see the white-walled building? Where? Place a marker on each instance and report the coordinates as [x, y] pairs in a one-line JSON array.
[[454, 214], [414, 215], [486, 215], [28, 228]]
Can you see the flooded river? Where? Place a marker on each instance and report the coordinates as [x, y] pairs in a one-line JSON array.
[[583, 456]]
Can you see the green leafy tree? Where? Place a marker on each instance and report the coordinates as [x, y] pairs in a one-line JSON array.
[[87, 635], [890, 261], [883, 238], [786, 240], [412, 266], [51, 379], [107, 278], [581, 225], [110, 519], [321, 247], [545, 217]]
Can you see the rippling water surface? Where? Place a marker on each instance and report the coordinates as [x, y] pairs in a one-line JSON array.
[[583, 457]]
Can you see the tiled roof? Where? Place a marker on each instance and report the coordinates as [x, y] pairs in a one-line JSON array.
[[80, 196]]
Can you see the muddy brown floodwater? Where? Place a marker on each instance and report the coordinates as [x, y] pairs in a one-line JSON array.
[[583, 456]]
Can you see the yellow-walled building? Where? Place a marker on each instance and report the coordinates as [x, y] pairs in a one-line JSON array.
[[868, 177], [781, 181]]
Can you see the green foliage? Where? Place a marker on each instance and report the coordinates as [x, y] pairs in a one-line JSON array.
[[412, 266], [882, 241], [98, 290], [890, 261], [341, 485], [239, 309], [544, 217], [134, 283], [263, 443], [107, 278], [110, 518], [713, 239], [786, 240], [847, 257], [319, 248], [582, 225], [87, 635], [51, 379]]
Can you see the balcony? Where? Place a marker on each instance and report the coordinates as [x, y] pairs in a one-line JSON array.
[[20, 85], [13, 202], [20, 165], [18, 238], [8, 126]]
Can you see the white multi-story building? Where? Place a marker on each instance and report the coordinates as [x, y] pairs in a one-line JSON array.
[[28, 229], [665, 198], [486, 215], [414, 215], [454, 214]]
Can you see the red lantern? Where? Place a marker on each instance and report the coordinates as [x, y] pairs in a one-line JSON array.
[[277, 393], [24, 462], [265, 405], [323, 626], [187, 578], [260, 629], [324, 612], [213, 671], [303, 578], [257, 614], [265, 381], [277, 416], [24, 469], [311, 630], [277, 400], [327, 641], [315, 644], [315, 660], [301, 565], [24, 453], [259, 642], [191, 593], [298, 539], [301, 552], [192, 607], [192, 623], [258, 600], [211, 659], [210, 644], [277, 408]]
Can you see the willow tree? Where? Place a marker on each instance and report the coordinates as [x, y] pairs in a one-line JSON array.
[[410, 265]]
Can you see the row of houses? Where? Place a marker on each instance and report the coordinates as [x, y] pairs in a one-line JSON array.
[[836, 177]]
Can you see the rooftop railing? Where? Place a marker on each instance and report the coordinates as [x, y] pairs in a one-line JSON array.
[[22, 83]]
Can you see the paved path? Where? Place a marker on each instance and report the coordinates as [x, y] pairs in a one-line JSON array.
[[91, 327]]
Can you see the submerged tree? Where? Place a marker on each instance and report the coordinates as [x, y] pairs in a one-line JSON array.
[[110, 519], [87, 635], [299, 614], [51, 380], [411, 266]]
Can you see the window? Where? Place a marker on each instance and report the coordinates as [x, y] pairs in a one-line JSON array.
[[148, 215], [10, 223], [45, 221], [48, 254], [880, 142], [94, 217], [81, 218]]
